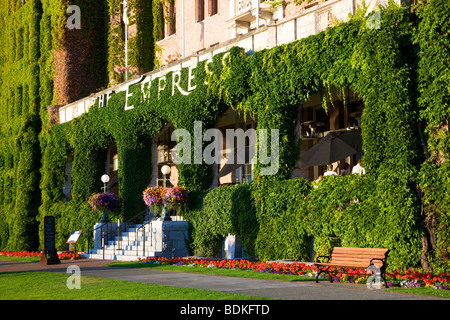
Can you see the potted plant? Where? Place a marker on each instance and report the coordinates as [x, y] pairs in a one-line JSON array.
[[175, 196], [161, 199], [104, 202], [154, 198]]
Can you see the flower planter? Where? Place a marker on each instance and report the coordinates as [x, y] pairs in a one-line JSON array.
[[163, 200], [105, 203]]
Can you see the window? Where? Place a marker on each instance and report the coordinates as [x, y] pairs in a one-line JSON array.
[[115, 164], [161, 32], [213, 7], [200, 10], [122, 24], [171, 19], [164, 180], [244, 174]]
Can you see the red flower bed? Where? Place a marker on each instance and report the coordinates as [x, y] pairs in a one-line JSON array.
[[62, 255], [393, 277]]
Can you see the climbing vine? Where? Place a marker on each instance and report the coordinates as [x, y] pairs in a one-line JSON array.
[[398, 70], [140, 45]]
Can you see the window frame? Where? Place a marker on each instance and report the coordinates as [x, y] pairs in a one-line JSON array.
[[213, 7], [199, 10], [171, 21]]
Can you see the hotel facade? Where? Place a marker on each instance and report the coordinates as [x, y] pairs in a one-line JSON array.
[[114, 98], [203, 29]]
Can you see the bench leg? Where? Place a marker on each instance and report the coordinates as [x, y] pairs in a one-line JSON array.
[[383, 276], [322, 270], [317, 275]]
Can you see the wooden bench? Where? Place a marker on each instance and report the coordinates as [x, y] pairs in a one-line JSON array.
[[354, 258]]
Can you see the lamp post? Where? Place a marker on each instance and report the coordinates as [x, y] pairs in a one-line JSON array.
[[165, 170], [105, 180]]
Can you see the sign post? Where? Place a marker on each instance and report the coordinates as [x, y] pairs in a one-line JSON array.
[[49, 254], [74, 239]]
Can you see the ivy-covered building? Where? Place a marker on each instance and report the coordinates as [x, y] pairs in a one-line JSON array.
[[68, 117]]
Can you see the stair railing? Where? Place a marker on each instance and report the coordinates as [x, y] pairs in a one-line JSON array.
[[150, 213], [109, 232]]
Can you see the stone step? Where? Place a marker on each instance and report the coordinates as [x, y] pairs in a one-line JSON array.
[[117, 257], [130, 240], [110, 254], [133, 236], [132, 243], [131, 249]]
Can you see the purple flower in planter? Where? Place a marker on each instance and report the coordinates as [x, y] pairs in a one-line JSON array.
[[104, 201], [153, 195]]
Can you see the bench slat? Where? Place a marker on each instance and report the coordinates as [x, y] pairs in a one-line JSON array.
[[350, 249], [335, 258], [351, 259], [352, 266], [360, 250], [360, 255], [349, 264]]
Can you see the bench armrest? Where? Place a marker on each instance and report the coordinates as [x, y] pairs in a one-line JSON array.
[[382, 260]]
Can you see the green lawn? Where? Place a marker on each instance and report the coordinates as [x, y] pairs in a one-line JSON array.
[[423, 291], [53, 286]]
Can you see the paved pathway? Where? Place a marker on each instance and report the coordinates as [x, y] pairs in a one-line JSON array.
[[301, 290]]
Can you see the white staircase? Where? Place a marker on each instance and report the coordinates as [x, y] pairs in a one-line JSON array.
[[154, 238], [129, 245]]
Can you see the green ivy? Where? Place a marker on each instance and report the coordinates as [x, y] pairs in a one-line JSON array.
[[141, 47], [224, 210], [20, 123], [399, 71], [269, 85]]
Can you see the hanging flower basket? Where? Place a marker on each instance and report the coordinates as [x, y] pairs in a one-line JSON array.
[[153, 195], [104, 202], [175, 195], [160, 198], [154, 198]]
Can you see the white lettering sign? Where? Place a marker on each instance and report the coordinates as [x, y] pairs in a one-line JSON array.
[[161, 81]]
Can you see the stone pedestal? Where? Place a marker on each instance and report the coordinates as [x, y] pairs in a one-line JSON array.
[[169, 238], [232, 247]]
